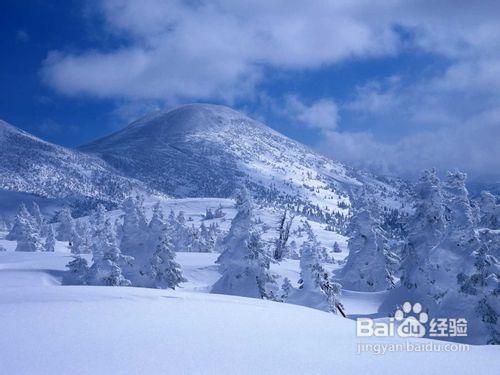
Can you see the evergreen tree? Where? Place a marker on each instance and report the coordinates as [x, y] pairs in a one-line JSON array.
[[22, 217], [286, 288], [66, 225], [316, 289], [157, 222], [81, 240], [97, 219], [370, 262], [425, 229], [108, 260], [281, 248], [489, 211], [336, 247], [219, 213], [38, 219], [483, 290], [134, 229], [244, 263], [77, 274], [236, 238], [209, 215], [50, 241], [164, 271], [26, 232]]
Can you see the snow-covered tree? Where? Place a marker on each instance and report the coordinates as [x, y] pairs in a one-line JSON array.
[[81, 238], [209, 215], [164, 271], [26, 232], [281, 248], [489, 211], [316, 288], [286, 288], [78, 270], [181, 234], [50, 240], [97, 218], [244, 263], [39, 220], [157, 223], [293, 250], [66, 225], [482, 288], [207, 239], [238, 233], [425, 230], [219, 213], [370, 262], [22, 217], [107, 259], [135, 228], [336, 247]]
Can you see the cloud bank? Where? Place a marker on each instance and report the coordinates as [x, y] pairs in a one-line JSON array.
[[177, 51]]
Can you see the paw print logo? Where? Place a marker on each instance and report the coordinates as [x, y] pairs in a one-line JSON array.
[[411, 320]]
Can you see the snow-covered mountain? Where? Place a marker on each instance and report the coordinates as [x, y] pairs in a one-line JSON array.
[[31, 165], [202, 150]]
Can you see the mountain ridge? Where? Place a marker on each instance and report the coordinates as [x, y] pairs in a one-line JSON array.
[[31, 165], [209, 150]]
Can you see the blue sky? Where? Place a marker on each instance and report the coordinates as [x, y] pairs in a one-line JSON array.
[[394, 87]]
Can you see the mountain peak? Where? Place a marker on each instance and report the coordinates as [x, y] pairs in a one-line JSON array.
[[190, 118]]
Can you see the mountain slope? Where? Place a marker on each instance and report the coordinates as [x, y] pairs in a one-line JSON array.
[[202, 150], [31, 165]]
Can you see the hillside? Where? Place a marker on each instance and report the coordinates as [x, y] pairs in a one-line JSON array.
[[31, 165], [202, 150]]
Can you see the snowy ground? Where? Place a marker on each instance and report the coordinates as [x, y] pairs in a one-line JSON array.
[[52, 329]]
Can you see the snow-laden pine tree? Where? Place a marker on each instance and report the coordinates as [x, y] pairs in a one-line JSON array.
[[489, 211], [425, 230], [66, 225], [209, 215], [50, 240], [139, 271], [17, 229], [482, 288], [26, 232], [108, 260], [281, 248], [78, 272], [460, 217], [244, 263], [207, 239], [157, 223], [286, 288], [316, 289], [81, 238], [38, 218], [454, 253], [181, 234], [336, 247], [134, 231], [238, 233], [97, 219], [164, 272], [370, 262]]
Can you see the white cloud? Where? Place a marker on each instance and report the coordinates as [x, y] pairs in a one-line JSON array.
[[216, 49], [177, 51], [322, 114], [471, 146]]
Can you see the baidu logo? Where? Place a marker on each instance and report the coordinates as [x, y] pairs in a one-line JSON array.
[[411, 321]]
